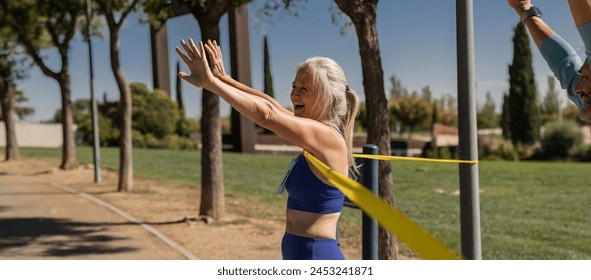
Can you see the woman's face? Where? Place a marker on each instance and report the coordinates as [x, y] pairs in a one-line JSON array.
[[305, 97]]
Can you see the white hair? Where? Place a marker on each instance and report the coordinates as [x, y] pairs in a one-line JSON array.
[[340, 102]]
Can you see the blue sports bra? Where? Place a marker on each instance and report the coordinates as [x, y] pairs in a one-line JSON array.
[[307, 193]]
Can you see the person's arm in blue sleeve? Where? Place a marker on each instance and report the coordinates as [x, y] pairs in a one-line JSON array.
[[565, 63], [560, 56], [581, 12]]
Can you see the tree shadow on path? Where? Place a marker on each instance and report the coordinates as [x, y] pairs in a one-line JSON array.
[[49, 237]]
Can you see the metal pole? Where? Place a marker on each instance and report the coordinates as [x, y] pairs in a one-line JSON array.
[[369, 178], [93, 111], [468, 148]]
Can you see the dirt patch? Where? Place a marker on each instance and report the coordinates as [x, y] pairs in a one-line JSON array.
[[246, 232]]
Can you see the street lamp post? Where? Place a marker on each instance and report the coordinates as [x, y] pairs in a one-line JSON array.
[[93, 111]]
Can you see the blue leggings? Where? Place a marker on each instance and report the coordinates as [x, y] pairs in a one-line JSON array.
[[294, 247]]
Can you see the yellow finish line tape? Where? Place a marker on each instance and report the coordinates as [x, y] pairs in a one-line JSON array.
[[391, 219], [382, 157]]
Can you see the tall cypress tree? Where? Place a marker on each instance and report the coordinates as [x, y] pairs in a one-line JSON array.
[[523, 100], [267, 68], [179, 91], [506, 118], [267, 75]]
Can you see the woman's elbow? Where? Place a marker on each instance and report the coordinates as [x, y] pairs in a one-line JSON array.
[[267, 116]]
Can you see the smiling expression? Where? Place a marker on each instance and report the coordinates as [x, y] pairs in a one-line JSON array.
[[305, 96], [583, 90]]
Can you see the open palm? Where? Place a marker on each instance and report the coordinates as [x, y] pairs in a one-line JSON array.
[[196, 60]]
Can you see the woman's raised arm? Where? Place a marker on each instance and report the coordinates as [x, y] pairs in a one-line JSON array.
[[215, 53]]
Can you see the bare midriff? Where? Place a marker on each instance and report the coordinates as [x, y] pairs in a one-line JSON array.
[[312, 225]]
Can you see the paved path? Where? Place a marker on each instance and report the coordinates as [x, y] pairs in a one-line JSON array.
[[43, 221]]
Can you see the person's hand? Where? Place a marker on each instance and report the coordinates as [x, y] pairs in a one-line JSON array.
[[519, 5], [196, 60], [217, 61]]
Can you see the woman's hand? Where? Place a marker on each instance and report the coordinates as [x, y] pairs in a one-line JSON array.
[[217, 61], [519, 5], [196, 60]]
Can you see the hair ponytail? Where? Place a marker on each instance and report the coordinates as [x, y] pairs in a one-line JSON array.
[[349, 122]]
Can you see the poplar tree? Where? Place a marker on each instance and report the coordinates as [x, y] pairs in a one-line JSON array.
[[505, 118], [179, 91], [267, 68], [267, 75], [524, 109]]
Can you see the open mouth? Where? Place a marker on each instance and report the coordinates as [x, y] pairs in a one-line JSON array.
[[297, 106]]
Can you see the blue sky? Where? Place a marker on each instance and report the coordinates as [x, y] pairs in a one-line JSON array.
[[417, 43]]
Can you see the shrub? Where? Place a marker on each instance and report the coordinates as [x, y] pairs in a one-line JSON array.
[[174, 142], [153, 111], [442, 152], [560, 140], [501, 152]]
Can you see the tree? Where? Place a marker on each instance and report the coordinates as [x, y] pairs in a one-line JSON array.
[[57, 20], [551, 104], [435, 112], [523, 97], [411, 110], [184, 126], [571, 112], [267, 69], [448, 112], [123, 8], [487, 115], [22, 111], [426, 93], [505, 121], [7, 105], [397, 89], [8, 74], [208, 14], [179, 91], [268, 77], [363, 15], [212, 193]]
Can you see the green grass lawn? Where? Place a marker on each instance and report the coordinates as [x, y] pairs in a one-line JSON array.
[[529, 210]]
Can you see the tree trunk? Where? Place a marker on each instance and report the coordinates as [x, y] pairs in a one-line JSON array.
[[7, 103], [69, 147], [125, 183], [212, 185], [363, 16]]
